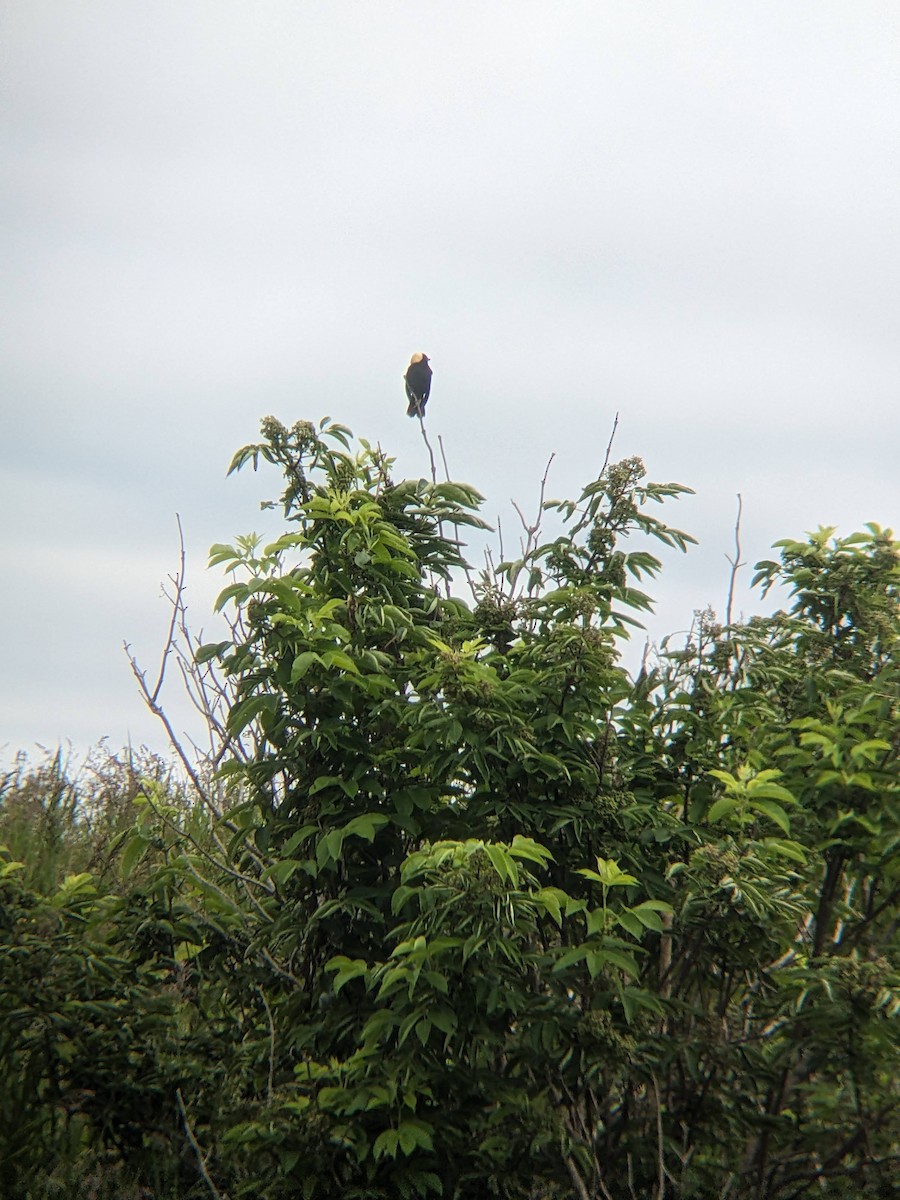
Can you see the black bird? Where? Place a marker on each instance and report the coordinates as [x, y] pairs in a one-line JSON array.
[[418, 385]]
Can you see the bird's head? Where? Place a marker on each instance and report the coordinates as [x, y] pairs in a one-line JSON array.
[[417, 358]]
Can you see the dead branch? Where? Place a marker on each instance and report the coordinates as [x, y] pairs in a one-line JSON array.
[[444, 458], [195, 1145], [270, 1088], [532, 531], [660, 1154], [421, 417], [735, 562], [609, 446]]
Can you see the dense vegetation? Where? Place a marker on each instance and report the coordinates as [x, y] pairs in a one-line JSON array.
[[458, 908]]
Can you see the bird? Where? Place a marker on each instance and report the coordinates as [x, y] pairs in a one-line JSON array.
[[418, 384]]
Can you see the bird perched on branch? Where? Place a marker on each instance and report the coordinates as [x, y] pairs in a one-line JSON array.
[[418, 385]]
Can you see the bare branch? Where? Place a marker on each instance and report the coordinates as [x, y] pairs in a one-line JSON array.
[[201, 1161], [268, 888], [420, 414], [167, 724], [529, 545], [278, 969], [467, 570], [444, 458], [610, 443], [575, 1175], [660, 1156], [270, 1087], [421, 417], [736, 563], [178, 580], [525, 526]]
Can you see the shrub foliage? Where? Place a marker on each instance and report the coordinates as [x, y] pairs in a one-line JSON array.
[[467, 911]]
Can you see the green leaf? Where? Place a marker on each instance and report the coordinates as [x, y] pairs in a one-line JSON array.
[[721, 808], [774, 812], [574, 955], [415, 1134], [302, 664], [608, 873], [628, 920], [791, 850], [501, 862], [323, 781], [133, 853], [444, 1019], [297, 839], [337, 658], [549, 898], [386, 1144], [365, 826], [648, 914], [234, 591], [248, 710], [523, 847], [346, 969], [727, 778], [623, 961], [595, 921], [634, 998], [770, 791], [282, 870], [209, 651]]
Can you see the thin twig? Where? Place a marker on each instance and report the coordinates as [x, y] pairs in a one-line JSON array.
[[726, 1187], [279, 970], [524, 524], [270, 1089], [444, 458], [178, 580], [736, 563], [575, 1175], [244, 880], [629, 1166], [581, 1127], [196, 1147], [151, 696], [531, 531], [610, 443], [660, 1157], [208, 695], [158, 712], [664, 981], [421, 417], [467, 570]]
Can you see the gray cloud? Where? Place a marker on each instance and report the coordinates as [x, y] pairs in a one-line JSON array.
[[683, 213]]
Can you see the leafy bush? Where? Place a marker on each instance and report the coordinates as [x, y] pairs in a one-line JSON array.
[[467, 911]]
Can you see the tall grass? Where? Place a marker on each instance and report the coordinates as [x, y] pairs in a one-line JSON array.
[[62, 817]]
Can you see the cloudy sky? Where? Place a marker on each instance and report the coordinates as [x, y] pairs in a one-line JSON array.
[[683, 212]]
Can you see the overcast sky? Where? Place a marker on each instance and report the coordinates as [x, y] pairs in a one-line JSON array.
[[683, 212]]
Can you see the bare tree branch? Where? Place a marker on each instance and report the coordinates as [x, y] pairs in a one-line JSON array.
[[421, 417], [736, 563], [201, 1161], [270, 1086], [609, 446], [444, 458], [660, 1152], [529, 545]]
